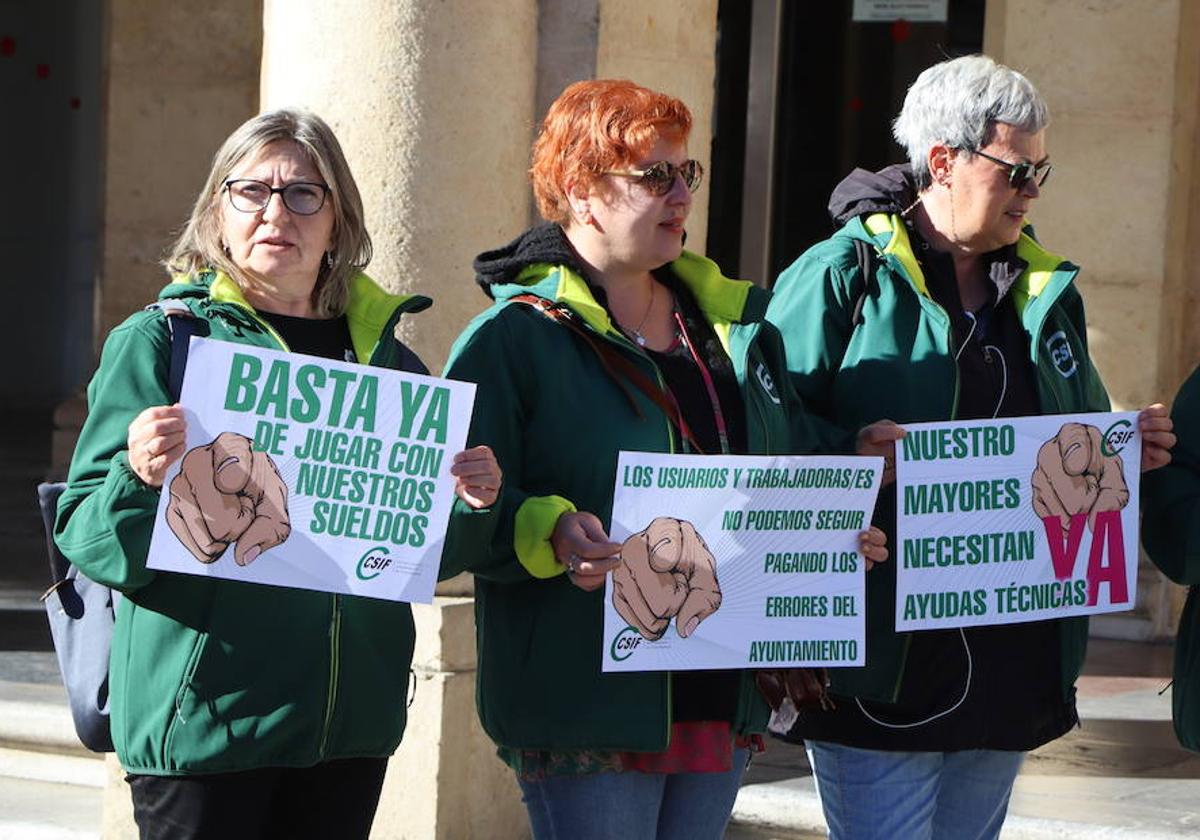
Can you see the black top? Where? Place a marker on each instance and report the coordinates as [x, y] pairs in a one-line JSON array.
[[1003, 682], [328, 338]]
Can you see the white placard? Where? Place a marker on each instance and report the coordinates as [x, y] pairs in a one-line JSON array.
[[915, 11], [1003, 521], [310, 473], [737, 561]]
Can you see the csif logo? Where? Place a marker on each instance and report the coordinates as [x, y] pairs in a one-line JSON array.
[[372, 564], [1116, 437], [624, 644], [767, 382]]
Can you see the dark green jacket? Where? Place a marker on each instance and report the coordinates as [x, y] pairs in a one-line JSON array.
[[208, 675], [1171, 534], [556, 421], [899, 364]]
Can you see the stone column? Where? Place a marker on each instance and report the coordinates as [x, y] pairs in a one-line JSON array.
[[1122, 80], [433, 105], [172, 99]]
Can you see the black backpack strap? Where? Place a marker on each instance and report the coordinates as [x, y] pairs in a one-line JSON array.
[[48, 493], [181, 325], [865, 253]]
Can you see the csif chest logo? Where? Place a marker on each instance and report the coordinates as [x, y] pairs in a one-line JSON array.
[[1061, 355], [766, 381]]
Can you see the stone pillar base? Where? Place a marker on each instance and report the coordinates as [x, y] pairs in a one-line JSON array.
[[445, 781], [117, 820]]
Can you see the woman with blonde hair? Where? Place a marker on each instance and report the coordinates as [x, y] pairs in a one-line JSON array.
[[245, 710]]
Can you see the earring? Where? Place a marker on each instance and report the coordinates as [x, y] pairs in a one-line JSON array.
[[329, 259]]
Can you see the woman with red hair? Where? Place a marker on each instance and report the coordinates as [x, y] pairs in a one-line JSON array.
[[606, 335]]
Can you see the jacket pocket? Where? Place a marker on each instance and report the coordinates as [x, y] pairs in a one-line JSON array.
[[185, 686]]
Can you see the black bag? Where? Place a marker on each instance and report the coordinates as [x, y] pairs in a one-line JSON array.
[[82, 612]]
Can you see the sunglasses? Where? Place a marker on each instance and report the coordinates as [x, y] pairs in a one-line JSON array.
[[1020, 174], [658, 178]]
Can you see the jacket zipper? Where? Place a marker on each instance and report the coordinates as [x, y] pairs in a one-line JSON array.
[[671, 450], [335, 636]]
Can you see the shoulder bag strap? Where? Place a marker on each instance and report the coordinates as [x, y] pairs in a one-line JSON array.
[[618, 367]]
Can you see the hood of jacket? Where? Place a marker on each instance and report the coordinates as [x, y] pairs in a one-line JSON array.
[[861, 193], [871, 205], [545, 243], [542, 262]]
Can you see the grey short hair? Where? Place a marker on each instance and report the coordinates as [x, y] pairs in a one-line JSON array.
[[199, 246], [958, 102]]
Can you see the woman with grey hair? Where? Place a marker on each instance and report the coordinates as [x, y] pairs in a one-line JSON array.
[[933, 302], [246, 710]]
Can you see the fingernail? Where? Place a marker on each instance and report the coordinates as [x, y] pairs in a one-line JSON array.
[[250, 555], [691, 626]]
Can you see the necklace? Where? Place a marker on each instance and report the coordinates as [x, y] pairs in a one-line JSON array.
[[636, 333]]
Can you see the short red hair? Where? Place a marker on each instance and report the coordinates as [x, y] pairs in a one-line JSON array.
[[595, 126]]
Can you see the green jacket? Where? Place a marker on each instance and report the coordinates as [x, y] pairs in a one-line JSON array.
[[898, 363], [208, 675], [1171, 534], [556, 421]]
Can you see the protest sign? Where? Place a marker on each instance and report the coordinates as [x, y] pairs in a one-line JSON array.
[[1002, 521], [305, 472], [737, 561]]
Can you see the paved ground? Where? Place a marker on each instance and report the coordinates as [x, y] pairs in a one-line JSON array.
[[1121, 774]]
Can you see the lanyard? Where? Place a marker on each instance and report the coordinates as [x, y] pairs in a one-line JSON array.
[[709, 385]]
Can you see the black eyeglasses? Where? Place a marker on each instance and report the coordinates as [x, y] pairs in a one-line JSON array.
[[658, 178], [250, 196], [1019, 174]]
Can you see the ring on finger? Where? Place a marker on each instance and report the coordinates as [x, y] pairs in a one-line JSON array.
[[573, 561]]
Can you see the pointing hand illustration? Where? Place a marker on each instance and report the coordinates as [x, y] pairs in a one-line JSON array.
[[1074, 476], [226, 493], [666, 572]]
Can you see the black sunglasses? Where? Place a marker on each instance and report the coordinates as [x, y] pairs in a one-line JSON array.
[[658, 178], [1019, 174]]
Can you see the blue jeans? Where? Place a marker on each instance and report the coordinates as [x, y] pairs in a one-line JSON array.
[[633, 806], [876, 795]]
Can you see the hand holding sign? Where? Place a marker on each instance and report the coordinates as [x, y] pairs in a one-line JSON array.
[[666, 571], [226, 492], [155, 440], [1073, 476]]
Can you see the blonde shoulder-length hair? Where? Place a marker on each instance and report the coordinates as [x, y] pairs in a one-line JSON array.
[[199, 247]]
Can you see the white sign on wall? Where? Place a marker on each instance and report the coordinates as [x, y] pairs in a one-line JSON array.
[[915, 11]]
